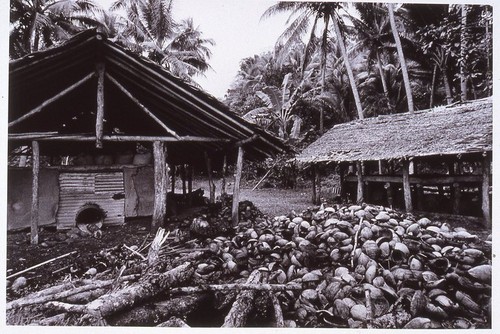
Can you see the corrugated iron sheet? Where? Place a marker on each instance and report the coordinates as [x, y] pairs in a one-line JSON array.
[[78, 189]]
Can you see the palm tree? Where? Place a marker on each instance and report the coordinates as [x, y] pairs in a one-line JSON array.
[[180, 48], [402, 61], [37, 24], [312, 12]]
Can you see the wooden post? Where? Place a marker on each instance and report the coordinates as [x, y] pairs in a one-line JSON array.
[[223, 181], [236, 189], [190, 184], [318, 183], [485, 202], [406, 186], [456, 194], [211, 184], [183, 178], [35, 192], [172, 170], [360, 194], [342, 171], [161, 185], [99, 124], [314, 183], [420, 196], [390, 201]]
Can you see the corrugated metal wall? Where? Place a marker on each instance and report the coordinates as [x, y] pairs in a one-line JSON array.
[[78, 189]]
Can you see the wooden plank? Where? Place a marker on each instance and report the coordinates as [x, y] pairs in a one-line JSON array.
[[141, 106], [56, 97], [99, 124], [422, 179], [359, 178], [485, 195], [236, 189], [35, 192], [160, 186], [406, 186]]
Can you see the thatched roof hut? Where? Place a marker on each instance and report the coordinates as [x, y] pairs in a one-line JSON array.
[[450, 130], [404, 145]]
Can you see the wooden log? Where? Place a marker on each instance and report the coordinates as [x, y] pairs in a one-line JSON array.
[[66, 307], [406, 186], [155, 313], [99, 124], [53, 321], [390, 196], [342, 175], [50, 136], [140, 291], [422, 179], [211, 184], [173, 322], [160, 186], [35, 192], [369, 310], [56, 97], [183, 178], [66, 290], [85, 296], [318, 184], [456, 195], [278, 312], [190, 184], [359, 194], [237, 287], [242, 306], [485, 193], [236, 188]]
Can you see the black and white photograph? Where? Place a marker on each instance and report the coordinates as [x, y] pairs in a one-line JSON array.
[[248, 164]]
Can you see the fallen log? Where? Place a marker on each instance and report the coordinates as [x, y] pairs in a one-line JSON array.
[[157, 312], [238, 287], [41, 264], [278, 312], [54, 320], [173, 322], [139, 291], [242, 306], [85, 296], [61, 291]]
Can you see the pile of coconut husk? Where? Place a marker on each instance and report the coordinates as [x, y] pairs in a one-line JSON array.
[[352, 266]]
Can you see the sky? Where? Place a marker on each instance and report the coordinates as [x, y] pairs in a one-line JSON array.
[[237, 30]]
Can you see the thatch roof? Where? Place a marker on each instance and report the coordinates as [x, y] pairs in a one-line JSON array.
[[455, 129], [188, 111]]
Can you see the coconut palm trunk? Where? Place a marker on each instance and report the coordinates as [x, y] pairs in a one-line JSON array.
[[384, 82], [402, 61], [463, 53], [348, 67]]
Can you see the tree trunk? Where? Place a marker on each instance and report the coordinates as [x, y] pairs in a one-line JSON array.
[[463, 54], [404, 68], [139, 292], [348, 67], [447, 88], [160, 186], [384, 82], [236, 188], [35, 190], [433, 86], [243, 304]]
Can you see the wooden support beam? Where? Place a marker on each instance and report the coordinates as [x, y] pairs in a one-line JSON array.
[[172, 170], [141, 106], [421, 179], [342, 172], [35, 148], [160, 186], [223, 190], [406, 186], [211, 183], [360, 194], [456, 195], [54, 136], [318, 184], [190, 184], [99, 124], [183, 178], [56, 97], [390, 196], [236, 189], [420, 196], [485, 193], [314, 179]]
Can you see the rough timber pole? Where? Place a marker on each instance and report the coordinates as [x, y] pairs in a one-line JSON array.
[[406, 186], [314, 195], [211, 184], [360, 194], [236, 189], [190, 184], [35, 191], [161, 185], [485, 194], [99, 124], [223, 181]]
